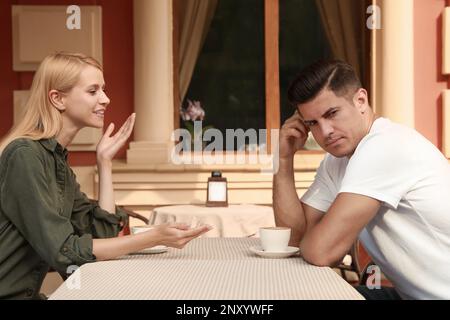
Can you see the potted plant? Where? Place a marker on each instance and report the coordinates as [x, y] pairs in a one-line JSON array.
[[191, 114]]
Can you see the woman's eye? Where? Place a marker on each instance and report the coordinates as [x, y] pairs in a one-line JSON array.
[[92, 92]]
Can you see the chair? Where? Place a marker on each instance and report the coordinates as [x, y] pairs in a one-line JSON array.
[[130, 213], [364, 274], [353, 265]]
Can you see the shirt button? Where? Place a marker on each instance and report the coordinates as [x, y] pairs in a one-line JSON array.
[[64, 249], [29, 292]]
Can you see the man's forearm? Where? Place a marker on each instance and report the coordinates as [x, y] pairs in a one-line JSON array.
[[286, 204]]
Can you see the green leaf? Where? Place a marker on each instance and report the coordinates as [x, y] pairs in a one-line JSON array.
[[189, 126]]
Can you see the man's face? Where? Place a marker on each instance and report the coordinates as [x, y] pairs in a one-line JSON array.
[[337, 124]]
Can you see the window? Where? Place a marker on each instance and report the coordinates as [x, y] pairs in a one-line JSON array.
[[250, 51], [228, 78], [302, 41]]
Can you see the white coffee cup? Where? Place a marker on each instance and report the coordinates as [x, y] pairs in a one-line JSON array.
[[144, 228], [275, 239]]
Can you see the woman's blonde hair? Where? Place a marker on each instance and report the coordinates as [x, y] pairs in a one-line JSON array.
[[41, 120]]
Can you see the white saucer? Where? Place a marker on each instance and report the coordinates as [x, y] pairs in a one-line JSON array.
[[274, 255], [155, 249]]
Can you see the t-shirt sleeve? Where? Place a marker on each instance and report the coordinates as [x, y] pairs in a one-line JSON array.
[[384, 167], [320, 195]]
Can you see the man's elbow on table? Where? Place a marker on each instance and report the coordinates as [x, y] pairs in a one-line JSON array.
[[316, 260], [318, 257]]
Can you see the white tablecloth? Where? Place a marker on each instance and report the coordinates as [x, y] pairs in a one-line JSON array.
[[206, 269], [232, 221]]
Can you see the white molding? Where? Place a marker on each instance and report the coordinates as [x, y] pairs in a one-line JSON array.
[[20, 99], [187, 188], [446, 41], [394, 62], [86, 140], [143, 186], [85, 177], [41, 30], [153, 70], [446, 123]]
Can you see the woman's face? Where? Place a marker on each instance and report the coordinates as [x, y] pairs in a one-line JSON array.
[[86, 103]]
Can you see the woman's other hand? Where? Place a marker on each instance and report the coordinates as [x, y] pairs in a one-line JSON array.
[[177, 235]]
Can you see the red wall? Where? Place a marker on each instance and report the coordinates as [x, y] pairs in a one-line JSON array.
[[429, 81], [117, 62]]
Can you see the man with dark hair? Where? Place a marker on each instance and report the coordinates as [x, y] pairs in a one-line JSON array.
[[380, 181]]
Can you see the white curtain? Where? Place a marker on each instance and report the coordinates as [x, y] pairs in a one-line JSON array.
[[343, 24]]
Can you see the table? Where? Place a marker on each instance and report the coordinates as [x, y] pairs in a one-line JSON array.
[[232, 221], [206, 269]]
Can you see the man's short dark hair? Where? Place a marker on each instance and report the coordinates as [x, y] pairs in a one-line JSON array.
[[335, 75]]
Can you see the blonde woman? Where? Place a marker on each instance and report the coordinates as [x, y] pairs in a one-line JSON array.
[[45, 220]]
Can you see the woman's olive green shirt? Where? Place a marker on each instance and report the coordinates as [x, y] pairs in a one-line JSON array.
[[45, 220]]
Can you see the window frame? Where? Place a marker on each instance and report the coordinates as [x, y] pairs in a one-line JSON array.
[[272, 65]]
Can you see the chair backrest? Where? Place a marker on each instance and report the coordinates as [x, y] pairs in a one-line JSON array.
[[352, 266], [130, 213]]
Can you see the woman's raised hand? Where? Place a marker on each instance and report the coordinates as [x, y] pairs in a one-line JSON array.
[[109, 145]]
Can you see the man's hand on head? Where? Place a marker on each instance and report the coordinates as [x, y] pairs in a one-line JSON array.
[[293, 136]]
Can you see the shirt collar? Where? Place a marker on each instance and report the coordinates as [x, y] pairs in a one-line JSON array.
[[53, 146]]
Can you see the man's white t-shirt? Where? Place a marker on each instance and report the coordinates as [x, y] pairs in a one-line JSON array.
[[409, 238]]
